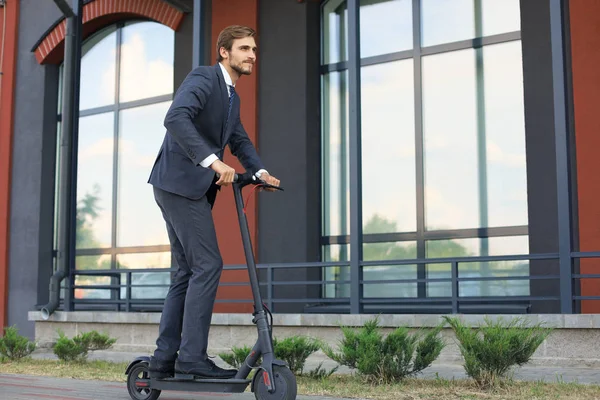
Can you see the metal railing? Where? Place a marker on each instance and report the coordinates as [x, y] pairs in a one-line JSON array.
[[119, 294]]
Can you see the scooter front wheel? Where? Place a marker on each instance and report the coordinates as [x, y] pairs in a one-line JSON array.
[[286, 387], [138, 380]]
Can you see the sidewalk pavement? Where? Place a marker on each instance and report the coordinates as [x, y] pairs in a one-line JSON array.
[[23, 387]]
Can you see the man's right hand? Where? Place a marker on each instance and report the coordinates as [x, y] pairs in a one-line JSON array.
[[225, 171]]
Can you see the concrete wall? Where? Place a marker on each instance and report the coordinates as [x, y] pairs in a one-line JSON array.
[[572, 343]]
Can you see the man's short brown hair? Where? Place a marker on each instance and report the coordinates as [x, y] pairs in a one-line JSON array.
[[229, 34]]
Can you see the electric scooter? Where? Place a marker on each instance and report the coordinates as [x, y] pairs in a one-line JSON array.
[[272, 380]]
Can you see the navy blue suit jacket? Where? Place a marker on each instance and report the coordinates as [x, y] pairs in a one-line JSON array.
[[196, 128]]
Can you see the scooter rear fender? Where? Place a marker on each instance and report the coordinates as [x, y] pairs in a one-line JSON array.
[[137, 361]]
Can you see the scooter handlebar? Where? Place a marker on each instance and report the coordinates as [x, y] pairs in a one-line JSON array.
[[248, 178]]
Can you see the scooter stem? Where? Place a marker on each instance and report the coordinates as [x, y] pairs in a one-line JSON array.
[[247, 243]]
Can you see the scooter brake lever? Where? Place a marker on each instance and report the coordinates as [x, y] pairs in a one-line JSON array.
[[265, 185]]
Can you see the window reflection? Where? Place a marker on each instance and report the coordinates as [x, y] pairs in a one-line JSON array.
[[450, 140], [388, 148], [335, 28], [390, 251], [91, 263], [335, 150], [505, 134], [473, 141], [144, 71], [495, 246], [94, 181], [446, 21], [336, 253], [153, 285], [385, 26], [141, 133], [146, 61], [500, 16], [98, 69], [474, 115]]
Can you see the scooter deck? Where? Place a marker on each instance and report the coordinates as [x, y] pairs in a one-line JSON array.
[[200, 385]]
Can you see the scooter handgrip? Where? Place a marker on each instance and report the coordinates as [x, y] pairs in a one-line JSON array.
[[236, 177]]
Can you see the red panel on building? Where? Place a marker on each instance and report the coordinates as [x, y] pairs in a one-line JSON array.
[[7, 90], [585, 51], [225, 13]]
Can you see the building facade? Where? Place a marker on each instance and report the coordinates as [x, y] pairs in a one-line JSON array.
[[438, 156]]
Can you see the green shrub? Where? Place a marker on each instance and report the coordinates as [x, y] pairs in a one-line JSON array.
[[14, 346], [387, 359], [77, 349], [94, 341], [237, 356], [294, 351], [321, 373], [68, 350], [490, 350]]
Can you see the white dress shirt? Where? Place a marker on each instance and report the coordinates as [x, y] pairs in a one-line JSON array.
[[207, 162]]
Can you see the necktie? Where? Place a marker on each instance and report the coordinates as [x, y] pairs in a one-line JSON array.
[[231, 96]]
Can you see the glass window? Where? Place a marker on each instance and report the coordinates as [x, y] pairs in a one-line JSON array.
[[495, 246], [458, 167], [146, 67], [385, 26], [505, 134], [389, 251], [446, 21], [98, 69], [335, 146], [450, 140], [473, 113], [144, 72], [500, 16], [94, 181], [91, 263], [335, 28], [152, 285], [388, 150], [141, 134], [116, 152], [336, 253]]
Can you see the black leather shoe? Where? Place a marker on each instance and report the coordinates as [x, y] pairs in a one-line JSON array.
[[202, 369], [161, 369]]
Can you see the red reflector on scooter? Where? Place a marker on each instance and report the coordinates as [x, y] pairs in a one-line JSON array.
[[266, 378]]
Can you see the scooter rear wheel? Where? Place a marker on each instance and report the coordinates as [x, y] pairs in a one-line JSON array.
[[286, 387], [138, 372]]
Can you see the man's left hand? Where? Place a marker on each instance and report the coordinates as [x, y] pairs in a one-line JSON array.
[[271, 180]]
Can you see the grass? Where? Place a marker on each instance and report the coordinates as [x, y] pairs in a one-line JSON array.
[[340, 385], [91, 370]]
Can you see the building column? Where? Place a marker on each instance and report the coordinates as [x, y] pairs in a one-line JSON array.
[[290, 145]]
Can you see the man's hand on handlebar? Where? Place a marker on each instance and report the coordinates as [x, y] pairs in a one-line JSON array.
[[224, 171], [271, 180]]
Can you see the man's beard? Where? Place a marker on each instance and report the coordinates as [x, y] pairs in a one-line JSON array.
[[240, 70]]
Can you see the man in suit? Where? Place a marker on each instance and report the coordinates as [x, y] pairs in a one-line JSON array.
[[203, 118]]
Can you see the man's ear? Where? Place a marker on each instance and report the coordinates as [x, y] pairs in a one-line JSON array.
[[223, 52]]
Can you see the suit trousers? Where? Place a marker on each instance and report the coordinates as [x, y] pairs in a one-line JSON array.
[[188, 307]]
